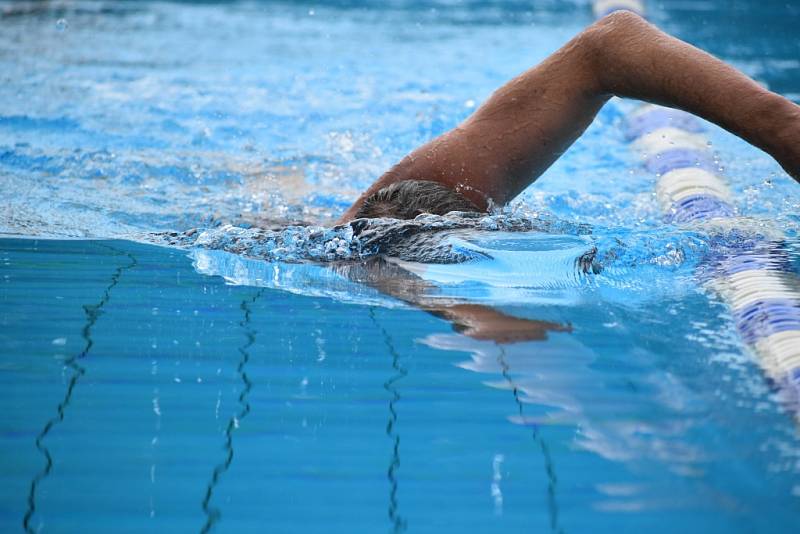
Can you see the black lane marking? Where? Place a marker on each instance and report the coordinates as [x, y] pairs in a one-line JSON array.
[[92, 312], [213, 514], [399, 524], [549, 466]]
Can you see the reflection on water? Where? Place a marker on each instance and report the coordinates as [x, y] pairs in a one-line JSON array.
[[640, 409], [560, 378], [650, 416]]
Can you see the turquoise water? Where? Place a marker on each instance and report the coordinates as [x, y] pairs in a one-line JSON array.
[[251, 384]]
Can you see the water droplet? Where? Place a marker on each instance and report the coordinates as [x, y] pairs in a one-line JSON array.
[[62, 24]]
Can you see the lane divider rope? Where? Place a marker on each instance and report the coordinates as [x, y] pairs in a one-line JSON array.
[[754, 276]]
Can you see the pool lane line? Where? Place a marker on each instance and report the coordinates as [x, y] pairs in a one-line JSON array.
[[754, 277], [399, 524], [549, 465], [92, 313], [213, 514]]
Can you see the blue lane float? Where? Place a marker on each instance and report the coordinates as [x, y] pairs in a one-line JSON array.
[[680, 158], [754, 276], [763, 318], [639, 124], [775, 261]]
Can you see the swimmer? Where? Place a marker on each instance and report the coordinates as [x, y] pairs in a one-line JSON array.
[[529, 122]]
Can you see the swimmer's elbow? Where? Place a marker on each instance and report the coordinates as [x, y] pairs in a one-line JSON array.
[[619, 27], [609, 39], [621, 18]]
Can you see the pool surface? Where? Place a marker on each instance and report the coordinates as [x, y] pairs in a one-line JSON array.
[[175, 359]]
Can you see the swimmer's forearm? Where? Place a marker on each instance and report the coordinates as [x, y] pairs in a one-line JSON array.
[[636, 60]]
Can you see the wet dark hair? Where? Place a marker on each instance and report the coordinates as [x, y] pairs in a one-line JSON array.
[[408, 198]]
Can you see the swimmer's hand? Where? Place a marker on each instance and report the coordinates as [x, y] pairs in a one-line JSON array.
[[487, 324]]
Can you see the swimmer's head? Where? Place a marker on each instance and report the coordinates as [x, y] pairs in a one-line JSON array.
[[408, 198]]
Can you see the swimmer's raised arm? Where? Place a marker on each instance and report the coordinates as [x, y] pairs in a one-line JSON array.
[[530, 121]]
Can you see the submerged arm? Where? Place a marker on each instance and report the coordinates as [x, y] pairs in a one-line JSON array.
[[474, 320], [530, 121], [486, 323]]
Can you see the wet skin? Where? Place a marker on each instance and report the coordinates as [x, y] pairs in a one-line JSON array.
[[529, 122]]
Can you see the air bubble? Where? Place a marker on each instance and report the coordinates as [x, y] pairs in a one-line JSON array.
[[62, 24]]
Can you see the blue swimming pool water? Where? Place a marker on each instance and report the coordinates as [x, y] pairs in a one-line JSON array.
[[167, 389]]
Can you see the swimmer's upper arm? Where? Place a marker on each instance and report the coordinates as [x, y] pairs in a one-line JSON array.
[[513, 137], [516, 134]]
